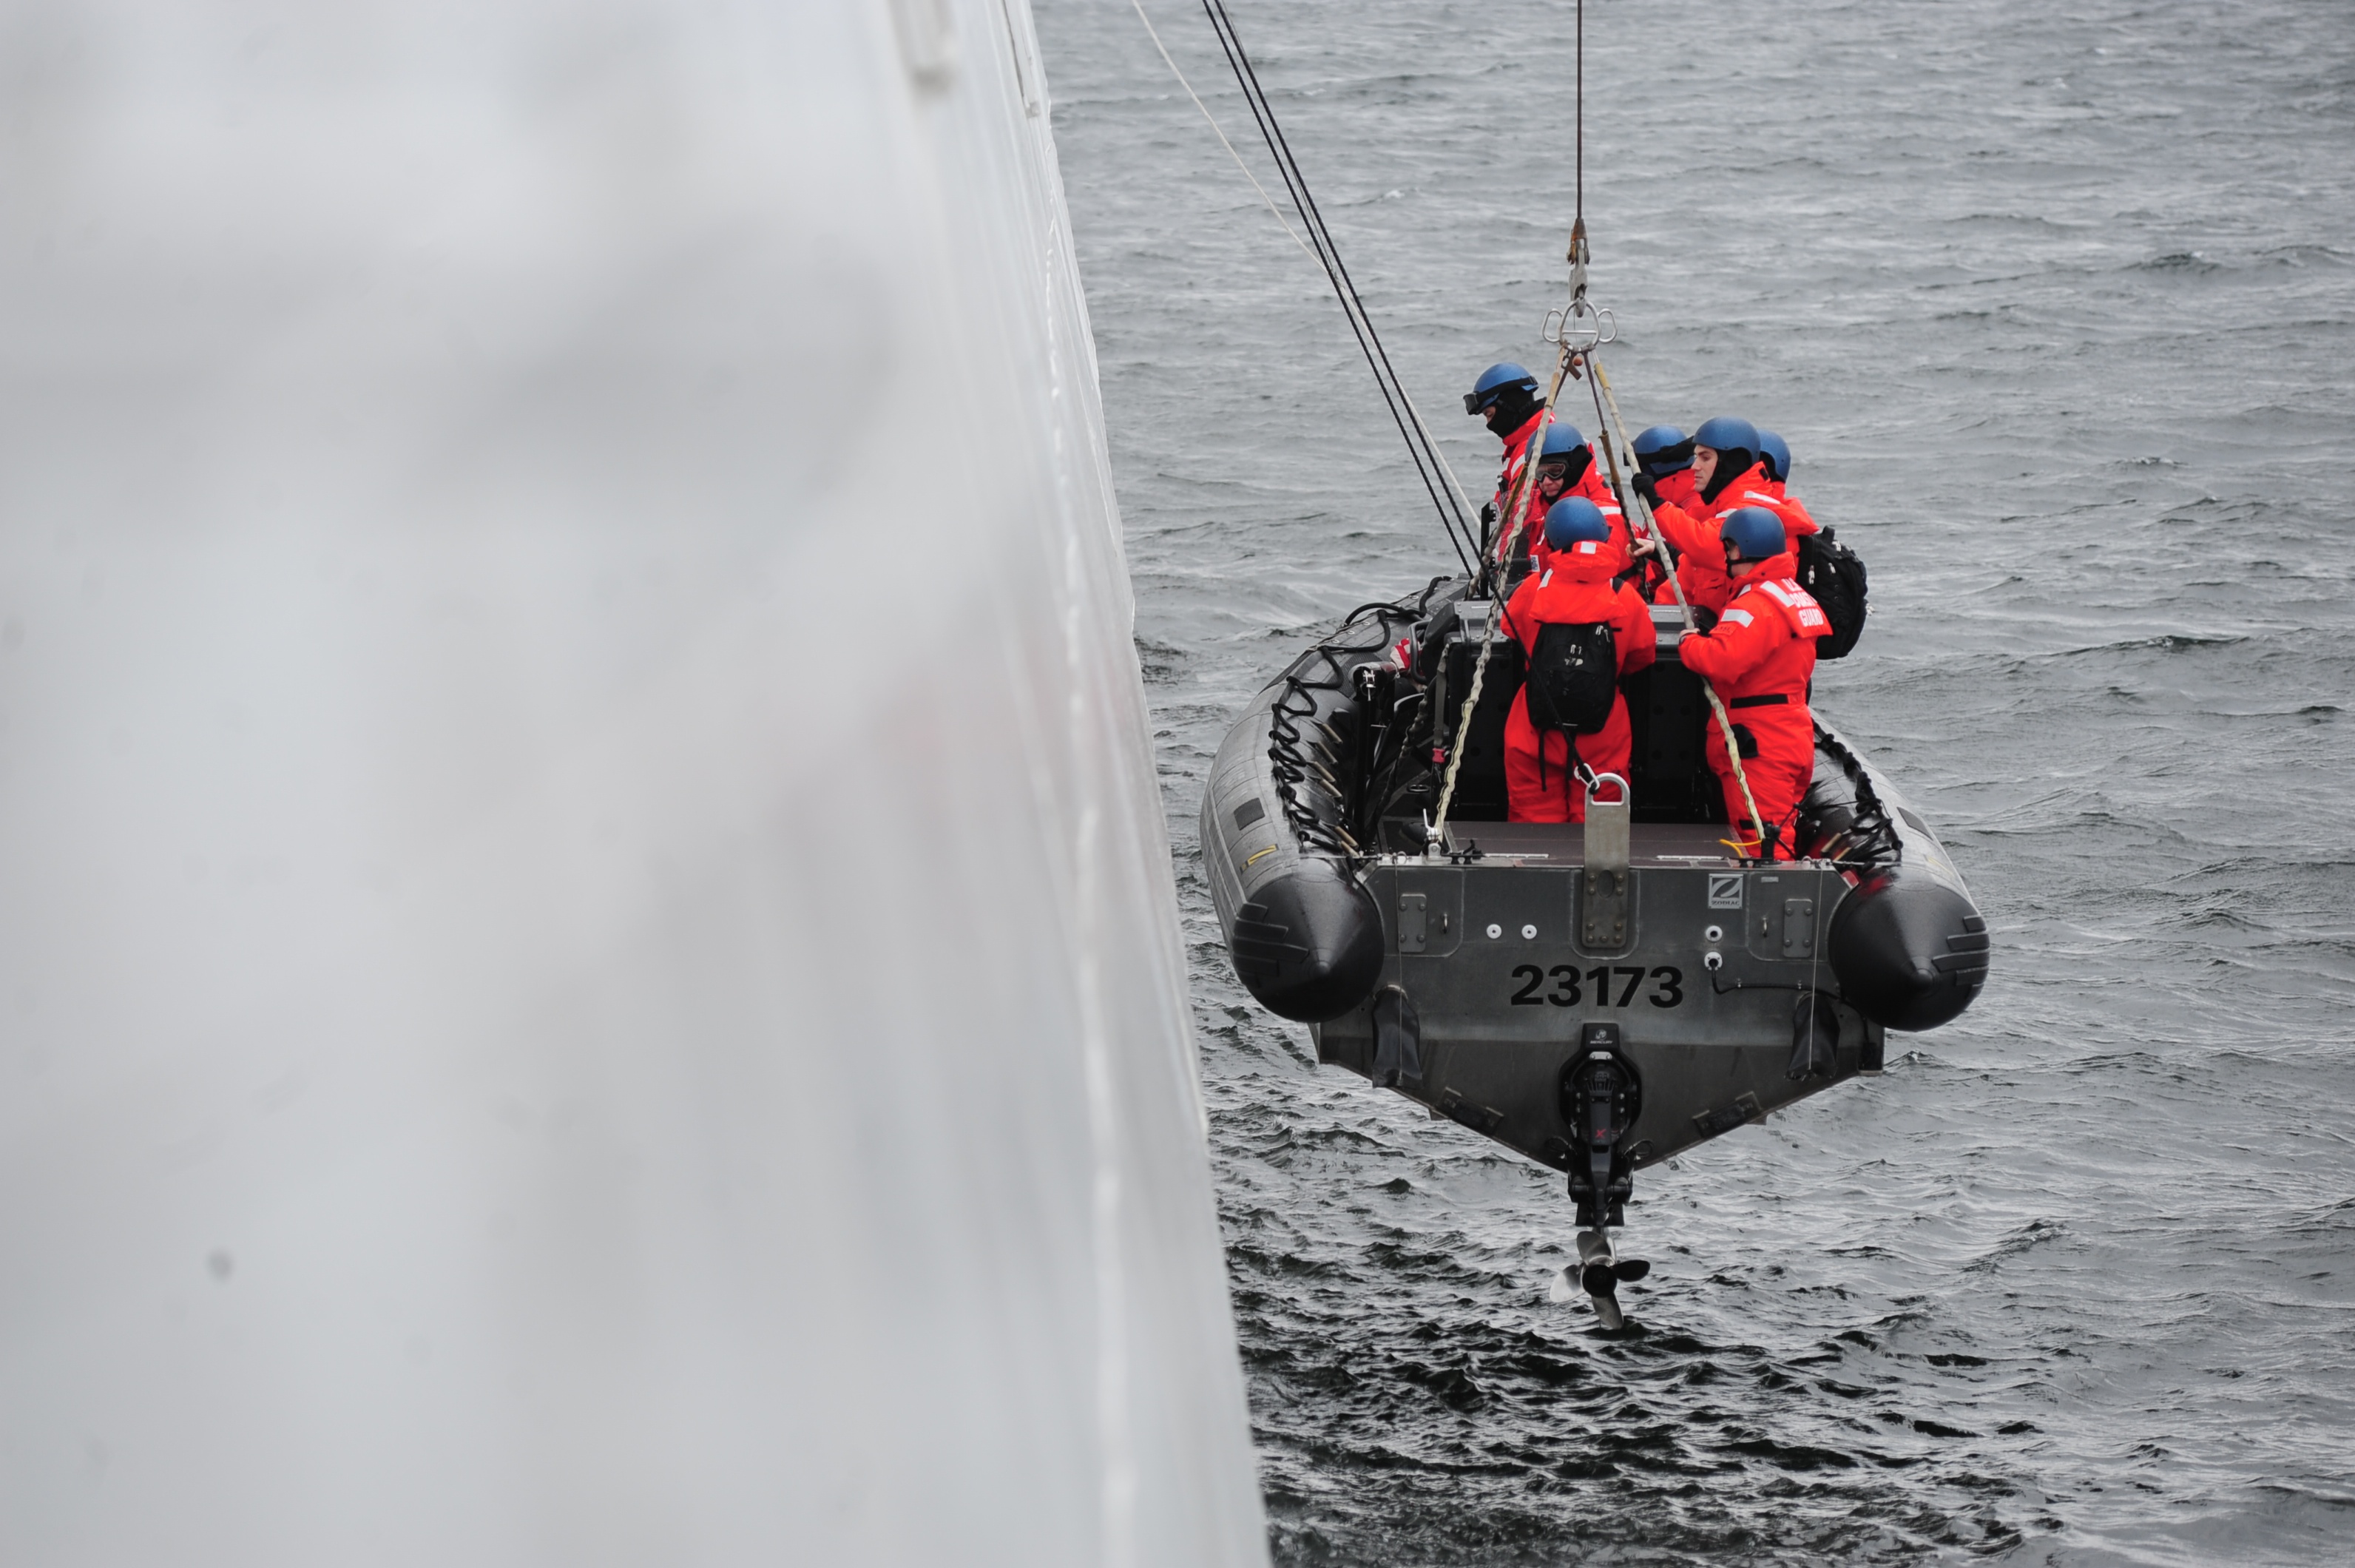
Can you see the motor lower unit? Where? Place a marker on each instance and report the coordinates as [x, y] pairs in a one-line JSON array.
[[1601, 1095]]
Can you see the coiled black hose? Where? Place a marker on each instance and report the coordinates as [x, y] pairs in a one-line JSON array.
[[1868, 835], [1305, 749]]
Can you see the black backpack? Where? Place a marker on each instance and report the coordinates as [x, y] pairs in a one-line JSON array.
[[1573, 677], [1834, 577]]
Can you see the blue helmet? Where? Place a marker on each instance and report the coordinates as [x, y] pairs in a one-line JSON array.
[[1560, 438], [1723, 435], [1663, 449], [1494, 383], [1577, 518], [1751, 533], [1776, 454]]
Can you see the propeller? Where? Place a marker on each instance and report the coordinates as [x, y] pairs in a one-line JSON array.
[[1572, 1280], [1600, 1278]]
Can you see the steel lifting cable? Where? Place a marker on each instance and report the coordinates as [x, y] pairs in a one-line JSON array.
[[1219, 132], [1439, 480], [1447, 521], [1429, 466]]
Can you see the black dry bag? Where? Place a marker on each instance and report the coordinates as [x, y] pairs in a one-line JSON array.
[[1573, 677], [1834, 577]]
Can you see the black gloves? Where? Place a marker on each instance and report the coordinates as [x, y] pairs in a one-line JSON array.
[[1646, 488]]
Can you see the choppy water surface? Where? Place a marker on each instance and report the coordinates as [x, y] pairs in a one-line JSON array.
[[2058, 314]]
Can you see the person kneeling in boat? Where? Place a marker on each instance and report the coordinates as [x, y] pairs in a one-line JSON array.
[[1759, 659], [1581, 632]]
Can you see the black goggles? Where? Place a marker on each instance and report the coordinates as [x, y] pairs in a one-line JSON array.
[[1481, 402]]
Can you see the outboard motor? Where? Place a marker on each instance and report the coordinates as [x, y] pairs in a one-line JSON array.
[[1601, 1097]]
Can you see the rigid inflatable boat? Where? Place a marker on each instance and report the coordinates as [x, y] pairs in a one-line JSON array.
[[1596, 996]]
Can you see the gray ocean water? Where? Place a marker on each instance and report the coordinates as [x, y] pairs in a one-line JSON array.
[[2056, 307]]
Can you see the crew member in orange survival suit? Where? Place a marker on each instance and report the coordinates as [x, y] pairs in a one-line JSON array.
[[1575, 594], [1566, 467], [1506, 396], [1758, 658], [1665, 456], [1727, 467]]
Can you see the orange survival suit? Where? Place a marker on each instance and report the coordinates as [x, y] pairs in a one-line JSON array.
[[1775, 495], [1758, 658], [1677, 489], [1508, 473], [1692, 532], [1575, 587], [1590, 484]]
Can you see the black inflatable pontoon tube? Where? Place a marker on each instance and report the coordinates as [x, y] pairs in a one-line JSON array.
[[1909, 949], [1308, 944]]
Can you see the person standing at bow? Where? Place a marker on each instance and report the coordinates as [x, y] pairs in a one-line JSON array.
[[1506, 398], [1758, 658]]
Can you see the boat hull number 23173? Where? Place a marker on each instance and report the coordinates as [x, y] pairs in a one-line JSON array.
[[1667, 985]]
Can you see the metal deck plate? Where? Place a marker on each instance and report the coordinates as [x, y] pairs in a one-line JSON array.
[[1565, 843]]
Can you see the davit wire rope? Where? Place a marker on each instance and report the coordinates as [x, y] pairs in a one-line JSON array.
[[1439, 481]]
